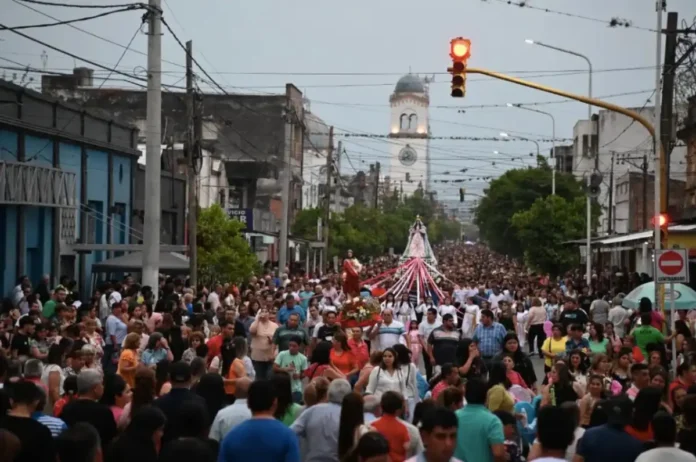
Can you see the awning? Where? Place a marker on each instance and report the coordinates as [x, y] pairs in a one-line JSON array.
[[133, 262]]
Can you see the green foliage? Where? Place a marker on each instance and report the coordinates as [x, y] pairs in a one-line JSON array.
[[545, 226], [371, 232], [223, 252], [515, 191]]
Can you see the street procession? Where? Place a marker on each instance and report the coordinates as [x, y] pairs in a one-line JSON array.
[[348, 232]]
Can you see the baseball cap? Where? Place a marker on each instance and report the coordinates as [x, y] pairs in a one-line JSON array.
[[179, 372], [87, 380]]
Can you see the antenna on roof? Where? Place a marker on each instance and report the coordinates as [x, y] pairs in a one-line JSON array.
[[44, 59]]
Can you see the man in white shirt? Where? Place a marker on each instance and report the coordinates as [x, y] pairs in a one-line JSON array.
[[665, 436], [214, 297], [389, 332], [618, 315], [425, 328], [495, 298], [229, 417]]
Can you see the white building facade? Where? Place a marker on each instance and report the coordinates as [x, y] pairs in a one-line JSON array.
[[614, 136], [212, 185], [409, 132], [316, 149]]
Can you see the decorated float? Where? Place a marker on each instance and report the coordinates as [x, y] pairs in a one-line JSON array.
[[417, 272]]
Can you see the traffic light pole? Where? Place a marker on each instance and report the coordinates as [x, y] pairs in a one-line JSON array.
[[588, 239], [660, 195]]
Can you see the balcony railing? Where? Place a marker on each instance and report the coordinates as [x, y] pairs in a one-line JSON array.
[[35, 185]]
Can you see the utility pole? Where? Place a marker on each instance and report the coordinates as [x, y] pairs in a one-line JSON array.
[[153, 169], [377, 172], [611, 195], [588, 236], [286, 178], [659, 289], [645, 191], [327, 203], [192, 158], [668, 73]]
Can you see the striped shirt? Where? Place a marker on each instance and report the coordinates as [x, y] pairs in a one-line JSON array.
[[444, 343], [390, 335], [54, 424]]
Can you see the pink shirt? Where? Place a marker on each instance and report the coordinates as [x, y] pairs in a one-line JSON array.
[[516, 379]]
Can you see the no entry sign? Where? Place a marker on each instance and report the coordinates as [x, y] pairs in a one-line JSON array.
[[672, 265]]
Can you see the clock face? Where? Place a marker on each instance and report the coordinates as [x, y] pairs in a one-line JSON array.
[[408, 156]]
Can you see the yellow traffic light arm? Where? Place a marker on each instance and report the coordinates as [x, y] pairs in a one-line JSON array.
[[594, 102]]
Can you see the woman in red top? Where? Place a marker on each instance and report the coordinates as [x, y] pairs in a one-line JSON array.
[[321, 363], [341, 357]]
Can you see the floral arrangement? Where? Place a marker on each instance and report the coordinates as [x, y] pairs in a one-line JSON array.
[[360, 312]]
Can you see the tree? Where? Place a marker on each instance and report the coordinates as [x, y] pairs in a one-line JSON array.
[[545, 226], [515, 191], [305, 224], [371, 232], [224, 254]]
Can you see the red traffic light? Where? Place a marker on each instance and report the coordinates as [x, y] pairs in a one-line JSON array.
[[460, 48], [661, 220]]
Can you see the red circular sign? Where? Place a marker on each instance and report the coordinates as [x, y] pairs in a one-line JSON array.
[[671, 263]]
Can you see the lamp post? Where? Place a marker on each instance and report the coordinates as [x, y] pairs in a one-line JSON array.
[[505, 135], [553, 138], [588, 262]]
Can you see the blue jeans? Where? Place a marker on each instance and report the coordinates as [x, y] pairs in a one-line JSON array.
[[297, 397]]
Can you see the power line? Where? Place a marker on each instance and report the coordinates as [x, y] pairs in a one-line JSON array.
[[484, 106], [614, 22], [456, 138], [135, 34], [72, 5], [71, 21], [92, 34], [630, 124], [72, 55]]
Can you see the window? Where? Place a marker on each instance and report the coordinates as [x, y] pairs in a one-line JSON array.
[[94, 213], [119, 225], [412, 123], [585, 146], [168, 234], [403, 122]]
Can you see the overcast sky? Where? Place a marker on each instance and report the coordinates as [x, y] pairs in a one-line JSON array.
[[237, 40]]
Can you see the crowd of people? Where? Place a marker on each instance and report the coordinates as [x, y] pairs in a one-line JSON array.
[[266, 371]]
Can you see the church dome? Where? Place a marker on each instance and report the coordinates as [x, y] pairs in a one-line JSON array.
[[409, 83]]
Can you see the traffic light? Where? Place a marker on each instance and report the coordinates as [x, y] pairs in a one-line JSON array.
[[595, 186], [460, 51], [461, 194], [661, 220]]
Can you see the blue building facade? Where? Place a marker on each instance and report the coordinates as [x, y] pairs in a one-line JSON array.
[[66, 177]]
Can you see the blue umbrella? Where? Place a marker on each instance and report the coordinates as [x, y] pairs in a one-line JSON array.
[[684, 296]]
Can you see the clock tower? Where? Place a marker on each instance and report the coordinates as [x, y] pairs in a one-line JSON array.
[[409, 135]]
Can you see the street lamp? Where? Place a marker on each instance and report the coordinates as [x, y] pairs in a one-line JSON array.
[[588, 262], [574, 53], [505, 135], [553, 139]]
